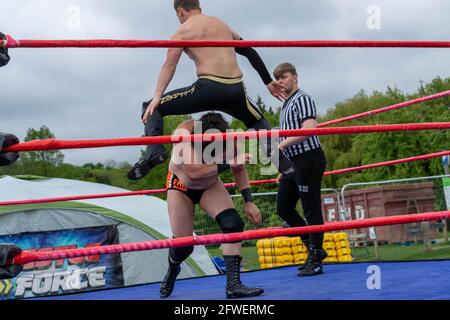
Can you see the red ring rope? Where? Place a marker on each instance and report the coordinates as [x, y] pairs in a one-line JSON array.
[[42, 145], [110, 43], [227, 185], [27, 256], [386, 109]]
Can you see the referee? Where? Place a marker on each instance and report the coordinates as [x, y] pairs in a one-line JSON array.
[[299, 111]]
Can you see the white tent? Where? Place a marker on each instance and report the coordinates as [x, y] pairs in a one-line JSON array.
[[137, 218]]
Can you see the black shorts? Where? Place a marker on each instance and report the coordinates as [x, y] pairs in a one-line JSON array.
[[174, 183], [211, 93]]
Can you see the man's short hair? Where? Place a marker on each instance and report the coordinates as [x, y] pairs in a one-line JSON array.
[[187, 5], [284, 67], [213, 120]]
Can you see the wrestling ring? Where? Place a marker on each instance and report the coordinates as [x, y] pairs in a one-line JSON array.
[[401, 280]]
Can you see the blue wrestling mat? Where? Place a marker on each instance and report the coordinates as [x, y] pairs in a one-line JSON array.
[[352, 281]]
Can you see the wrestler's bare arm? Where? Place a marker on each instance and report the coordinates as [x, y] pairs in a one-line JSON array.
[[242, 182], [169, 67], [240, 176]]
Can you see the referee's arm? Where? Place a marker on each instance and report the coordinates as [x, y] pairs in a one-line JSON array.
[[307, 124]]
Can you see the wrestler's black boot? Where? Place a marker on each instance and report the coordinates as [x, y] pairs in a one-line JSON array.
[[314, 265], [154, 154], [168, 282], [235, 288]]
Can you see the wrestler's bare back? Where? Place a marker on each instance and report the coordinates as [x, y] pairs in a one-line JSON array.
[[220, 62]]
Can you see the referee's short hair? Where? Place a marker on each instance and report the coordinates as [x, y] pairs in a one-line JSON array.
[[284, 67]]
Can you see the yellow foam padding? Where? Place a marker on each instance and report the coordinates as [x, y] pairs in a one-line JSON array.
[[296, 241], [276, 259], [300, 257], [260, 243], [346, 258], [274, 251], [342, 244], [331, 253], [279, 242], [344, 251], [340, 236], [273, 265], [327, 237], [264, 243], [329, 245], [298, 249], [282, 242], [331, 259]]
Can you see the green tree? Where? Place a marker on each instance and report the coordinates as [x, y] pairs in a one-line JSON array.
[[41, 162]]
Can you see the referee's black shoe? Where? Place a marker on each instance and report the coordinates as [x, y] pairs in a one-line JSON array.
[[313, 265], [307, 243]]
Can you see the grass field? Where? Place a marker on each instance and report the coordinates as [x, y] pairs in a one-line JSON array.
[[386, 253]]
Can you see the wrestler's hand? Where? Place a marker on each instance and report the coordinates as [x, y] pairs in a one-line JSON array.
[[253, 213], [150, 109], [277, 90]]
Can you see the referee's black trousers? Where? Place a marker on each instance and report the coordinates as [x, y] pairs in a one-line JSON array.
[[304, 185]]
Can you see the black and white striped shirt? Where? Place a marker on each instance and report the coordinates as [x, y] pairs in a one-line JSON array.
[[298, 108]]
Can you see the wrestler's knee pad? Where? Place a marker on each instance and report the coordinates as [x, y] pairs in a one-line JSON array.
[[230, 221], [180, 254]]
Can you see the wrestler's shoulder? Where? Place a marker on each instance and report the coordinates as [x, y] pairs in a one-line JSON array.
[[187, 125], [203, 20]]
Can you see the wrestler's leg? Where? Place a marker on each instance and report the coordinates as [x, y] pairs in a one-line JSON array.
[[214, 201], [177, 102], [217, 203], [181, 216], [241, 107]]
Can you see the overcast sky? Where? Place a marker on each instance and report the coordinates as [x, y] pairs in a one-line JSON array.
[[97, 93]]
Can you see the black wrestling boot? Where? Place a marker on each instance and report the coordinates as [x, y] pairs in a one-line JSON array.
[[313, 266], [235, 288], [168, 282], [143, 167]]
